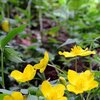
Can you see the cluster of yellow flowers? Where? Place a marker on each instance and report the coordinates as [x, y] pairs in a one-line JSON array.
[[30, 71], [77, 82]]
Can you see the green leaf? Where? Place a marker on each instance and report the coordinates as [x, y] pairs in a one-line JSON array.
[[96, 59], [62, 2], [24, 91], [32, 97], [2, 96], [32, 90], [68, 41], [11, 35], [76, 4], [5, 91], [12, 55], [97, 73]]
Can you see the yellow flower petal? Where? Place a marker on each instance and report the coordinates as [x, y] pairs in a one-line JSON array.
[[59, 88], [53, 92], [93, 84], [66, 54], [88, 75], [79, 83], [43, 63], [14, 96], [72, 88], [7, 97], [27, 75], [46, 87], [72, 76], [17, 96], [63, 98], [77, 51], [17, 75], [86, 53], [29, 72]]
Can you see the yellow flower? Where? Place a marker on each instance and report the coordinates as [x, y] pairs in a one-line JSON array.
[[43, 63], [14, 96], [5, 25], [78, 83], [27, 75], [53, 92], [77, 51]]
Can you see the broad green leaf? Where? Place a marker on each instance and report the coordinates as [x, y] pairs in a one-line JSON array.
[[12, 55], [11, 35]]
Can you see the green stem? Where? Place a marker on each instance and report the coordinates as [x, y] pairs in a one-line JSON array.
[[29, 84], [82, 97], [8, 14], [37, 97], [76, 64], [56, 68], [87, 98], [91, 47], [43, 76], [2, 12], [41, 24], [29, 12], [2, 69]]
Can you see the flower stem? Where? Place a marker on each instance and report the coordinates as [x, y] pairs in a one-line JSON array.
[[41, 24], [29, 12], [2, 69], [43, 76], [37, 97], [2, 12], [76, 64], [56, 68], [87, 98], [82, 97]]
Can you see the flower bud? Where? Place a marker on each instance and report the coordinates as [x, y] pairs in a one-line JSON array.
[[5, 25], [62, 81]]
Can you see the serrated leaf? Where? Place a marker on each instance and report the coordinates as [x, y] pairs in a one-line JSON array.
[[11, 35]]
